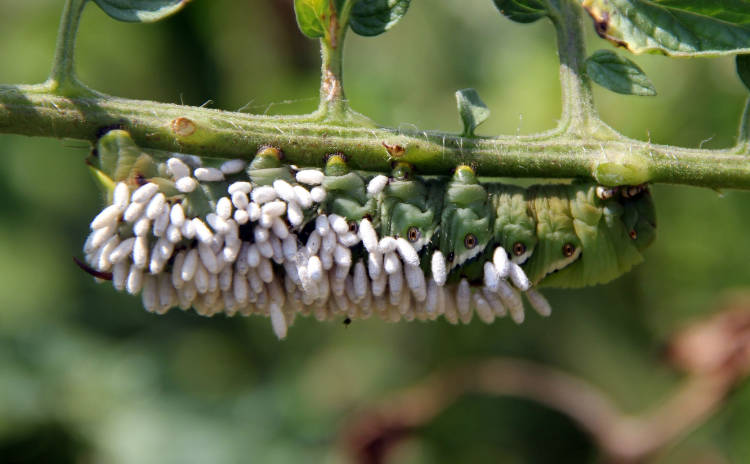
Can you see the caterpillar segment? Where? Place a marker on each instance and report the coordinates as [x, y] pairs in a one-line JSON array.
[[271, 239]]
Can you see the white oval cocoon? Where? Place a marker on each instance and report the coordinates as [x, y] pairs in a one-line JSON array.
[[122, 250], [185, 184], [279, 228], [161, 222], [224, 208], [241, 216], [121, 195], [240, 186], [368, 235], [263, 194], [349, 239], [439, 271], [208, 174], [342, 256], [387, 244], [253, 256], [190, 265], [315, 269], [501, 262], [240, 200], [518, 277], [253, 211], [135, 280], [178, 168], [107, 217], [140, 252], [144, 193], [539, 302], [278, 321], [483, 309], [318, 194], [133, 212], [232, 166], [407, 252], [512, 301], [202, 232], [208, 258], [274, 208], [284, 190], [303, 196], [177, 215], [294, 214], [338, 223], [463, 297], [360, 280], [377, 184], [310, 177], [491, 276], [374, 264]]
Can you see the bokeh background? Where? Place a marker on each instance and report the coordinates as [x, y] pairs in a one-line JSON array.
[[86, 375]]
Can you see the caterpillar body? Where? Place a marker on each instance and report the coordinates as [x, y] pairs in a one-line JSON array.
[[272, 239]]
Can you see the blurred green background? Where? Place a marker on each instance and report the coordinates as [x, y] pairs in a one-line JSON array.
[[86, 375]]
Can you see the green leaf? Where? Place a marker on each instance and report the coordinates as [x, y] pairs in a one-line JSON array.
[[618, 74], [673, 27], [732, 11], [743, 69], [312, 17], [140, 11], [373, 17], [522, 11], [472, 110]]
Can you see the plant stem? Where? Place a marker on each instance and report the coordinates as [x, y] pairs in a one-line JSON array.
[[222, 134], [579, 115], [62, 79], [743, 137], [333, 107]]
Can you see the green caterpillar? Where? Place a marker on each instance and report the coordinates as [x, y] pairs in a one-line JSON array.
[[545, 228], [268, 238]]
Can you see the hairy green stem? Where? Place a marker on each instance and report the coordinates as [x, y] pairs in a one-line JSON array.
[[579, 115], [743, 137], [215, 133], [334, 108], [333, 105], [62, 79]]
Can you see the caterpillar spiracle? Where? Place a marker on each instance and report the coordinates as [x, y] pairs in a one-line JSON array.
[[271, 239]]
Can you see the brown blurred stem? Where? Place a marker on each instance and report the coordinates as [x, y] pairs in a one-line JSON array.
[[621, 438]]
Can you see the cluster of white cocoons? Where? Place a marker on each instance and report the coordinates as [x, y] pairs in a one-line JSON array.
[[152, 248]]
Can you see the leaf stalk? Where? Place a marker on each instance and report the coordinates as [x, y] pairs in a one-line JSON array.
[[579, 116], [62, 79]]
